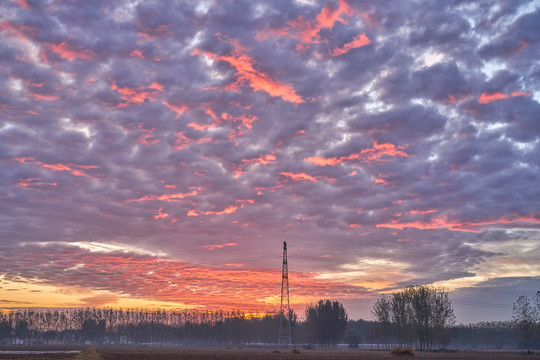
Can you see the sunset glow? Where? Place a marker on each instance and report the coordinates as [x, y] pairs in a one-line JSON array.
[[357, 42], [157, 154]]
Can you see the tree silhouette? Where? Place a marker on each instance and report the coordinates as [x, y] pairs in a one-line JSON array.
[[5, 330], [93, 330], [352, 337], [382, 311], [326, 322], [422, 315], [21, 330], [524, 316]]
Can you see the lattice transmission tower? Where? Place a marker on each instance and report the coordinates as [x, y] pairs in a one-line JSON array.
[[285, 337]]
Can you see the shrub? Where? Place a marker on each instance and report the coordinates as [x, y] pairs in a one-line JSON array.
[[402, 352]]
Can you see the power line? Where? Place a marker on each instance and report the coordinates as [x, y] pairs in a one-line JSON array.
[[482, 304], [244, 259], [495, 291]]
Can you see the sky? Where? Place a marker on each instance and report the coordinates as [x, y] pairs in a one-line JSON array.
[[158, 153]]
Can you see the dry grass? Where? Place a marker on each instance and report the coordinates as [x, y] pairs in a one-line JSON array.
[[150, 353]]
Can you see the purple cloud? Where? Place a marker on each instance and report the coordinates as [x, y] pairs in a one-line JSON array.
[[389, 145]]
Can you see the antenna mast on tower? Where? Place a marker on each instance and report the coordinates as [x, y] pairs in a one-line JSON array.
[[285, 310]]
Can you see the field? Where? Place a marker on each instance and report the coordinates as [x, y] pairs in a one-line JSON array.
[[147, 353]]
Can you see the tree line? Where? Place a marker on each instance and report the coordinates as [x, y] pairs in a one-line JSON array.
[[420, 316], [169, 327], [521, 331], [140, 326], [417, 316]]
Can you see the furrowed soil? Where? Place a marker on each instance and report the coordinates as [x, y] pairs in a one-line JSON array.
[[150, 353]]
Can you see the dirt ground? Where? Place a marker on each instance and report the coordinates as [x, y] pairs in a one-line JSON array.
[[150, 353]]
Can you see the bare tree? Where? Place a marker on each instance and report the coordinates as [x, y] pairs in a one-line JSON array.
[[382, 312], [419, 314], [524, 317]]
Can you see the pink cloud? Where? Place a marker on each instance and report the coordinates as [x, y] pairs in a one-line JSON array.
[[357, 42], [71, 53], [307, 31], [218, 246], [376, 153], [248, 74], [76, 170]]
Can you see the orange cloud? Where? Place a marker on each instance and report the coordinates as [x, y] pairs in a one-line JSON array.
[[328, 17], [443, 223], [200, 127], [44, 97], [459, 98], [380, 180], [165, 197], [246, 73], [178, 109], [140, 94], [136, 53], [521, 93], [261, 189], [234, 131], [238, 286], [218, 246], [36, 184], [161, 214], [147, 137], [263, 159], [152, 33], [238, 169], [23, 3], [490, 97], [380, 150], [244, 202], [71, 53], [370, 154], [370, 20], [217, 121], [231, 209], [246, 120], [299, 176], [237, 104], [321, 161], [156, 86], [307, 31], [437, 223], [29, 83], [305, 177], [357, 42], [21, 32], [71, 168], [213, 115], [529, 219], [182, 141]]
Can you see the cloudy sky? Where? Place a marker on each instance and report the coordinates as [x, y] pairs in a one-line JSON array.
[[158, 153]]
